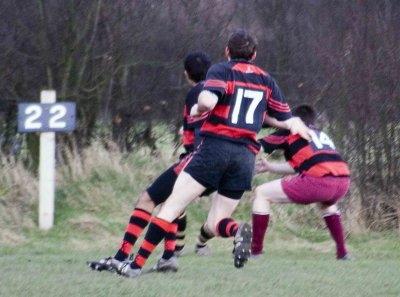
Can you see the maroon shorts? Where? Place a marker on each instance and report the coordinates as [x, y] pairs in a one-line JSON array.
[[305, 189]]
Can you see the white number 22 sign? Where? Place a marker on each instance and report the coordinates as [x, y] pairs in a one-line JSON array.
[[46, 117]]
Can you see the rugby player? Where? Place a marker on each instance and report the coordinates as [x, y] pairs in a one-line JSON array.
[[322, 177], [238, 94], [196, 65]]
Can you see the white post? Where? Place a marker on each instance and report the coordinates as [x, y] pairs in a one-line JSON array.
[[47, 170]]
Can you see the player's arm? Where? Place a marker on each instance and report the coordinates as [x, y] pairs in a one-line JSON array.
[[297, 126], [206, 102], [273, 122], [263, 165], [280, 113], [275, 141], [214, 88], [294, 124]]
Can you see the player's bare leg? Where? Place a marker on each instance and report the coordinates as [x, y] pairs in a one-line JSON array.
[[221, 207], [186, 189], [145, 202], [219, 217]]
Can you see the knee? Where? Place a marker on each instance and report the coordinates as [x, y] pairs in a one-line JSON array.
[[145, 202], [259, 195], [331, 209]]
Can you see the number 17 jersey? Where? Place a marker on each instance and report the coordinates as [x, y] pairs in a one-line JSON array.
[[245, 94]]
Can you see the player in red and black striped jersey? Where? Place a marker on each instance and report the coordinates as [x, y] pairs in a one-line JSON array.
[[238, 94], [244, 95], [322, 177], [191, 125], [196, 65]]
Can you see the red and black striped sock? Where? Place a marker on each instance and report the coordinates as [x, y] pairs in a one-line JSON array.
[[156, 232], [227, 227], [137, 222], [170, 241], [180, 235], [204, 236]]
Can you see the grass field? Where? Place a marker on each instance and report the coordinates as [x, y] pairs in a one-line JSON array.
[[94, 197], [47, 265]]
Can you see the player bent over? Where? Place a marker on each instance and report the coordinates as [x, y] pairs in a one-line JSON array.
[[196, 65], [238, 95], [322, 177]]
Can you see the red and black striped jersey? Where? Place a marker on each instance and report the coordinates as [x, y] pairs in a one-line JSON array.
[[245, 94], [316, 158], [190, 124]]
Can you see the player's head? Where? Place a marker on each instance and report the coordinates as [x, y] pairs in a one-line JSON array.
[[241, 45], [196, 65], [306, 112]]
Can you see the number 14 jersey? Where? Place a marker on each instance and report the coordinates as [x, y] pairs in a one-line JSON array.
[[316, 158]]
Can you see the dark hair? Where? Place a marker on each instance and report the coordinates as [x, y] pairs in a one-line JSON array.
[[241, 45], [196, 65], [306, 112]]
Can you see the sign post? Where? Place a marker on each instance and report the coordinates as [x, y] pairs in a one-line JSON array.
[[47, 117], [47, 162]]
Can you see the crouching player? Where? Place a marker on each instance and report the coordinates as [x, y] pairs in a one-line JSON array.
[[322, 177]]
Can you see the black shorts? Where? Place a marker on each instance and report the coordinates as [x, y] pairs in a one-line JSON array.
[[223, 165], [161, 188]]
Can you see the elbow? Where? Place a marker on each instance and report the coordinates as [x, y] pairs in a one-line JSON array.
[[206, 101], [201, 108]]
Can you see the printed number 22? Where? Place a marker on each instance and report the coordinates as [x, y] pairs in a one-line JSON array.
[[255, 96], [55, 120]]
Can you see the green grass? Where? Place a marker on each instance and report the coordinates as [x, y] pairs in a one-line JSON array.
[[95, 194], [48, 266]]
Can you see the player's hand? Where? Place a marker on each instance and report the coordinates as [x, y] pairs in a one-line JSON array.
[[194, 112], [262, 165], [297, 126], [195, 115]]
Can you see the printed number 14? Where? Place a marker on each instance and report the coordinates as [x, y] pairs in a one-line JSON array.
[[320, 139]]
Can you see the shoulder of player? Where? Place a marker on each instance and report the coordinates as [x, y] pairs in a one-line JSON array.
[[280, 135], [269, 80], [197, 88], [194, 92], [222, 66], [245, 66]]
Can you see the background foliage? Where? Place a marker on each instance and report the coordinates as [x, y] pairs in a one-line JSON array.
[[121, 61]]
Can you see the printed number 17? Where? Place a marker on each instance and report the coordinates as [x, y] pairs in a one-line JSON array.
[[255, 96]]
